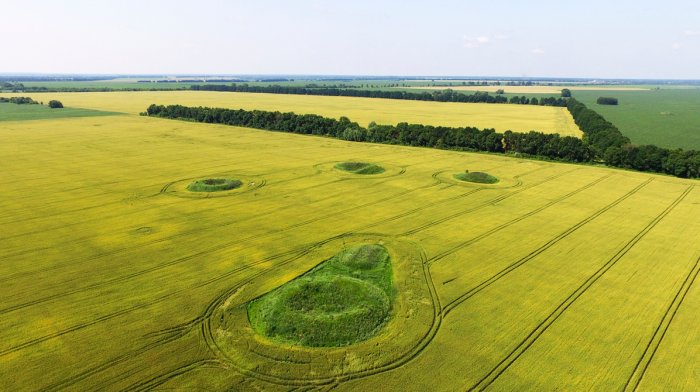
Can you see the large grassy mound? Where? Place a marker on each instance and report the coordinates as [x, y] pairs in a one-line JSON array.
[[478, 177], [360, 167], [342, 301], [214, 185]]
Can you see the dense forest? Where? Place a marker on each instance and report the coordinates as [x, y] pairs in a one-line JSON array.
[[437, 96]]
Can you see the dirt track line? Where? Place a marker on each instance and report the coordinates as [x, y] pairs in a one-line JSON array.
[[177, 331], [482, 205], [513, 221], [512, 267], [534, 335], [199, 319], [180, 260], [653, 345], [398, 362]]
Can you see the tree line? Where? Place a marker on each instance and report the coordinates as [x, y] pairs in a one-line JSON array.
[[602, 141], [551, 146], [611, 146], [19, 100], [437, 96]]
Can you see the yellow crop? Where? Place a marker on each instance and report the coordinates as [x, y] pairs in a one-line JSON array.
[[114, 276], [502, 117]]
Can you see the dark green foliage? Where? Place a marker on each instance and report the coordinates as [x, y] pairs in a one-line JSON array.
[[342, 301], [360, 167], [19, 100], [606, 101], [601, 138], [565, 93], [552, 146], [597, 131], [478, 177], [214, 185], [54, 104], [437, 96]]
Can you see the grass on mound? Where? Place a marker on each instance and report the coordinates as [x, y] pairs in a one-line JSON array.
[[214, 185], [344, 300], [479, 177], [360, 167]]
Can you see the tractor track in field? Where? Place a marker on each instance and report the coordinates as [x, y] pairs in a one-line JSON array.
[[118, 202], [410, 354], [170, 337], [166, 297], [502, 226], [176, 334], [133, 275], [534, 335], [155, 382], [512, 267], [206, 251], [67, 382], [657, 338], [484, 204], [205, 327], [169, 238]]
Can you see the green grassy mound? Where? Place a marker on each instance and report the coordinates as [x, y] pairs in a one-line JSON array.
[[342, 301], [214, 185], [479, 177], [360, 167]]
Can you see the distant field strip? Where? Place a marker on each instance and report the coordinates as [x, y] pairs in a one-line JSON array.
[[555, 90], [519, 118], [103, 255]]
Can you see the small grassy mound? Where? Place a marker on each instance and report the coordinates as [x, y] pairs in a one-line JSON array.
[[479, 177], [344, 300], [214, 185], [360, 167]]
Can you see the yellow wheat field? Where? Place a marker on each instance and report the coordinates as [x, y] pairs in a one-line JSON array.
[[113, 277], [521, 118]]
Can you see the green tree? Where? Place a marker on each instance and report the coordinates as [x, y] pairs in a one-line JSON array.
[[54, 104]]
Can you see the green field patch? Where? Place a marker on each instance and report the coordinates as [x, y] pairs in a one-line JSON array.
[[214, 185], [342, 301], [13, 112], [477, 177], [360, 168], [667, 117]]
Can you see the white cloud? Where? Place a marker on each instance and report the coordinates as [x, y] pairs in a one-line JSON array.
[[675, 46], [537, 51], [471, 42], [692, 32], [500, 36]]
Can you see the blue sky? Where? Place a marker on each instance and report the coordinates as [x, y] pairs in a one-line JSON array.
[[613, 39]]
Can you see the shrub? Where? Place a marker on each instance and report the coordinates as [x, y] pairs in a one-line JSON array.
[[54, 104], [607, 101]]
